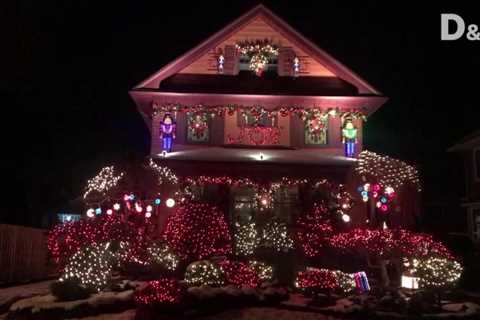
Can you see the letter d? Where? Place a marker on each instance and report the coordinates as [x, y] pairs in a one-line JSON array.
[[445, 34]]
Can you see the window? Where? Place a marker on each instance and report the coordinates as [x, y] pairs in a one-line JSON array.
[[476, 163], [476, 223], [316, 131], [270, 67], [246, 119], [243, 206], [198, 130], [286, 207]]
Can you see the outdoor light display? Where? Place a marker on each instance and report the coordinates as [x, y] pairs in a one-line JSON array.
[[256, 136], [163, 291], [246, 239], [383, 196], [165, 175], [259, 53], [390, 243], [323, 279], [164, 256], [387, 171], [90, 266], [314, 229], [275, 236], [349, 138], [204, 273], [263, 270], [196, 231], [437, 272], [167, 132], [197, 126], [259, 112], [239, 274], [104, 181]]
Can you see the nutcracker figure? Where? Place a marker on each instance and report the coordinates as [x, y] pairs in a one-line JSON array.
[[167, 132], [349, 138]]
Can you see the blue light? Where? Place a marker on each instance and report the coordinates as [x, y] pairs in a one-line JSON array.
[[364, 194], [132, 196], [360, 189], [383, 200], [98, 210], [157, 201]]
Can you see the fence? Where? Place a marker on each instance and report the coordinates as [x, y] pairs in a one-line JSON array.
[[23, 254]]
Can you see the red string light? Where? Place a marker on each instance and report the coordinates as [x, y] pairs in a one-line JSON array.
[[317, 278], [196, 231], [314, 230], [163, 291], [239, 273]]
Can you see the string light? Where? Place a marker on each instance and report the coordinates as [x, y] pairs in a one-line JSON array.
[[90, 213], [275, 235], [170, 203], [197, 231], [90, 266], [204, 273], [259, 53], [116, 206], [263, 270], [164, 256], [163, 291], [246, 239], [436, 272], [313, 230], [317, 278], [104, 181], [387, 171], [164, 174]]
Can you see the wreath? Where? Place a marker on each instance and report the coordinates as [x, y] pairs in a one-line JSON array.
[[259, 53]]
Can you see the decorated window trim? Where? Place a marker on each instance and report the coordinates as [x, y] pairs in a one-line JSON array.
[[259, 52], [188, 125]]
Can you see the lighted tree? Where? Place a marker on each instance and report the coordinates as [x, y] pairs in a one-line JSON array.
[[276, 236], [91, 267], [246, 238], [389, 246], [204, 273], [196, 231], [239, 274], [163, 291], [314, 229]]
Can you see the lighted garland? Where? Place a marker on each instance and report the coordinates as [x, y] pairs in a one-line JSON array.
[[196, 231], [314, 229], [314, 278], [258, 111], [276, 236], [387, 171], [259, 53], [390, 243], [204, 273], [104, 181], [164, 174], [163, 291], [90, 266], [263, 270], [239, 273], [346, 281], [246, 239], [164, 256]]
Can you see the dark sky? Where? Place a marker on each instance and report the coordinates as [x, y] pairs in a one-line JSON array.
[[68, 67]]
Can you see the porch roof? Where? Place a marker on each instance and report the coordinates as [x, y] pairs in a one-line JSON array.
[[247, 83], [322, 157]]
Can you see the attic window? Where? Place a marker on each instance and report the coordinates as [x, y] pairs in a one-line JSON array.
[[257, 56]]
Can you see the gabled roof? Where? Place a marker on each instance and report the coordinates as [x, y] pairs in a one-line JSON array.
[[280, 26]]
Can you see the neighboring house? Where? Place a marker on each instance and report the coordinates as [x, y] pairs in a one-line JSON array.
[[259, 100], [469, 149]]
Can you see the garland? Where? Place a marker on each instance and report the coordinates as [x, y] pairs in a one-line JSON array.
[[257, 111], [256, 136], [259, 53]]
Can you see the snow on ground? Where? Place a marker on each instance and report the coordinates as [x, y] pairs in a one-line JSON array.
[[24, 291], [126, 315], [48, 301], [266, 314]]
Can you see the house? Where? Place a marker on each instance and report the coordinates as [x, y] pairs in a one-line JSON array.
[[469, 151], [257, 100]]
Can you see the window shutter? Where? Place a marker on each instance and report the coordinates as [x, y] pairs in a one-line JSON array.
[[230, 65], [285, 61]]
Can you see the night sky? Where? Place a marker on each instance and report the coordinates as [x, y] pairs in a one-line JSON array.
[[68, 67]]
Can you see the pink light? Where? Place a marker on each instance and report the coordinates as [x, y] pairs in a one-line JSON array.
[[149, 208], [109, 212], [126, 197], [90, 213], [148, 214], [384, 207]]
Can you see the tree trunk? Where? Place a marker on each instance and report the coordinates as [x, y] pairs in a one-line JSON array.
[[385, 280]]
